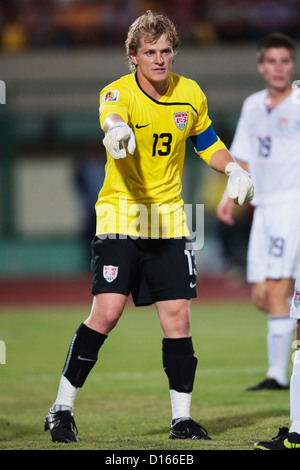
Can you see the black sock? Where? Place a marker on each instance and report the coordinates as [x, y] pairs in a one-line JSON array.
[[82, 355], [179, 363]]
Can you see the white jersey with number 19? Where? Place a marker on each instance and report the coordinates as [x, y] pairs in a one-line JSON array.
[[269, 141]]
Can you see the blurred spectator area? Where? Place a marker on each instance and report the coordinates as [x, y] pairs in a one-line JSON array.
[[81, 23], [55, 57]]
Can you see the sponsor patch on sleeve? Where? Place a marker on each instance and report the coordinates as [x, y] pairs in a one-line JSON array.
[[111, 95]]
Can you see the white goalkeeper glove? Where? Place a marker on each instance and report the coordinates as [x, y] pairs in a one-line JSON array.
[[115, 140], [239, 187]]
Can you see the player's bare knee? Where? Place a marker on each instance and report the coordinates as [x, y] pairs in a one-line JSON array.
[[178, 322], [111, 318], [104, 320], [182, 325]]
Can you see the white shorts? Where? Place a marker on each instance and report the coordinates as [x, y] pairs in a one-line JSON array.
[[274, 244], [295, 303]]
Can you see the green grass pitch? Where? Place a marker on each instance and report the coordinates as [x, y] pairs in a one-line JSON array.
[[124, 404]]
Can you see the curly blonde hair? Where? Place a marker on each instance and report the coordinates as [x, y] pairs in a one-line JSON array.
[[149, 26]]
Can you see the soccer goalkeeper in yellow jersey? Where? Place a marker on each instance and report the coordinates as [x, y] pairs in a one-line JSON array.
[[142, 241]]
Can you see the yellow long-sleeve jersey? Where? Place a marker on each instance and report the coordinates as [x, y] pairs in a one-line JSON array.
[[141, 194]]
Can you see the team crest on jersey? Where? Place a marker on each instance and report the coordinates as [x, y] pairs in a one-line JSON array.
[[112, 95], [181, 120], [110, 272], [283, 124], [297, 298]]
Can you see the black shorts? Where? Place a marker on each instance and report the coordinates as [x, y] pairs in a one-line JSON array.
[[151, 270]]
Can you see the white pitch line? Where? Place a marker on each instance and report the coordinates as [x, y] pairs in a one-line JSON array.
[[123, 376]]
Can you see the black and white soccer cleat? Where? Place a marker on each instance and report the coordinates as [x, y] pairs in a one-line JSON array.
[[188, 429], [62, 426], [268, 384]]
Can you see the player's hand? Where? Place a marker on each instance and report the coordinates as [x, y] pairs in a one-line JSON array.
[[239, 187], [225, 211], [116, 138]]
